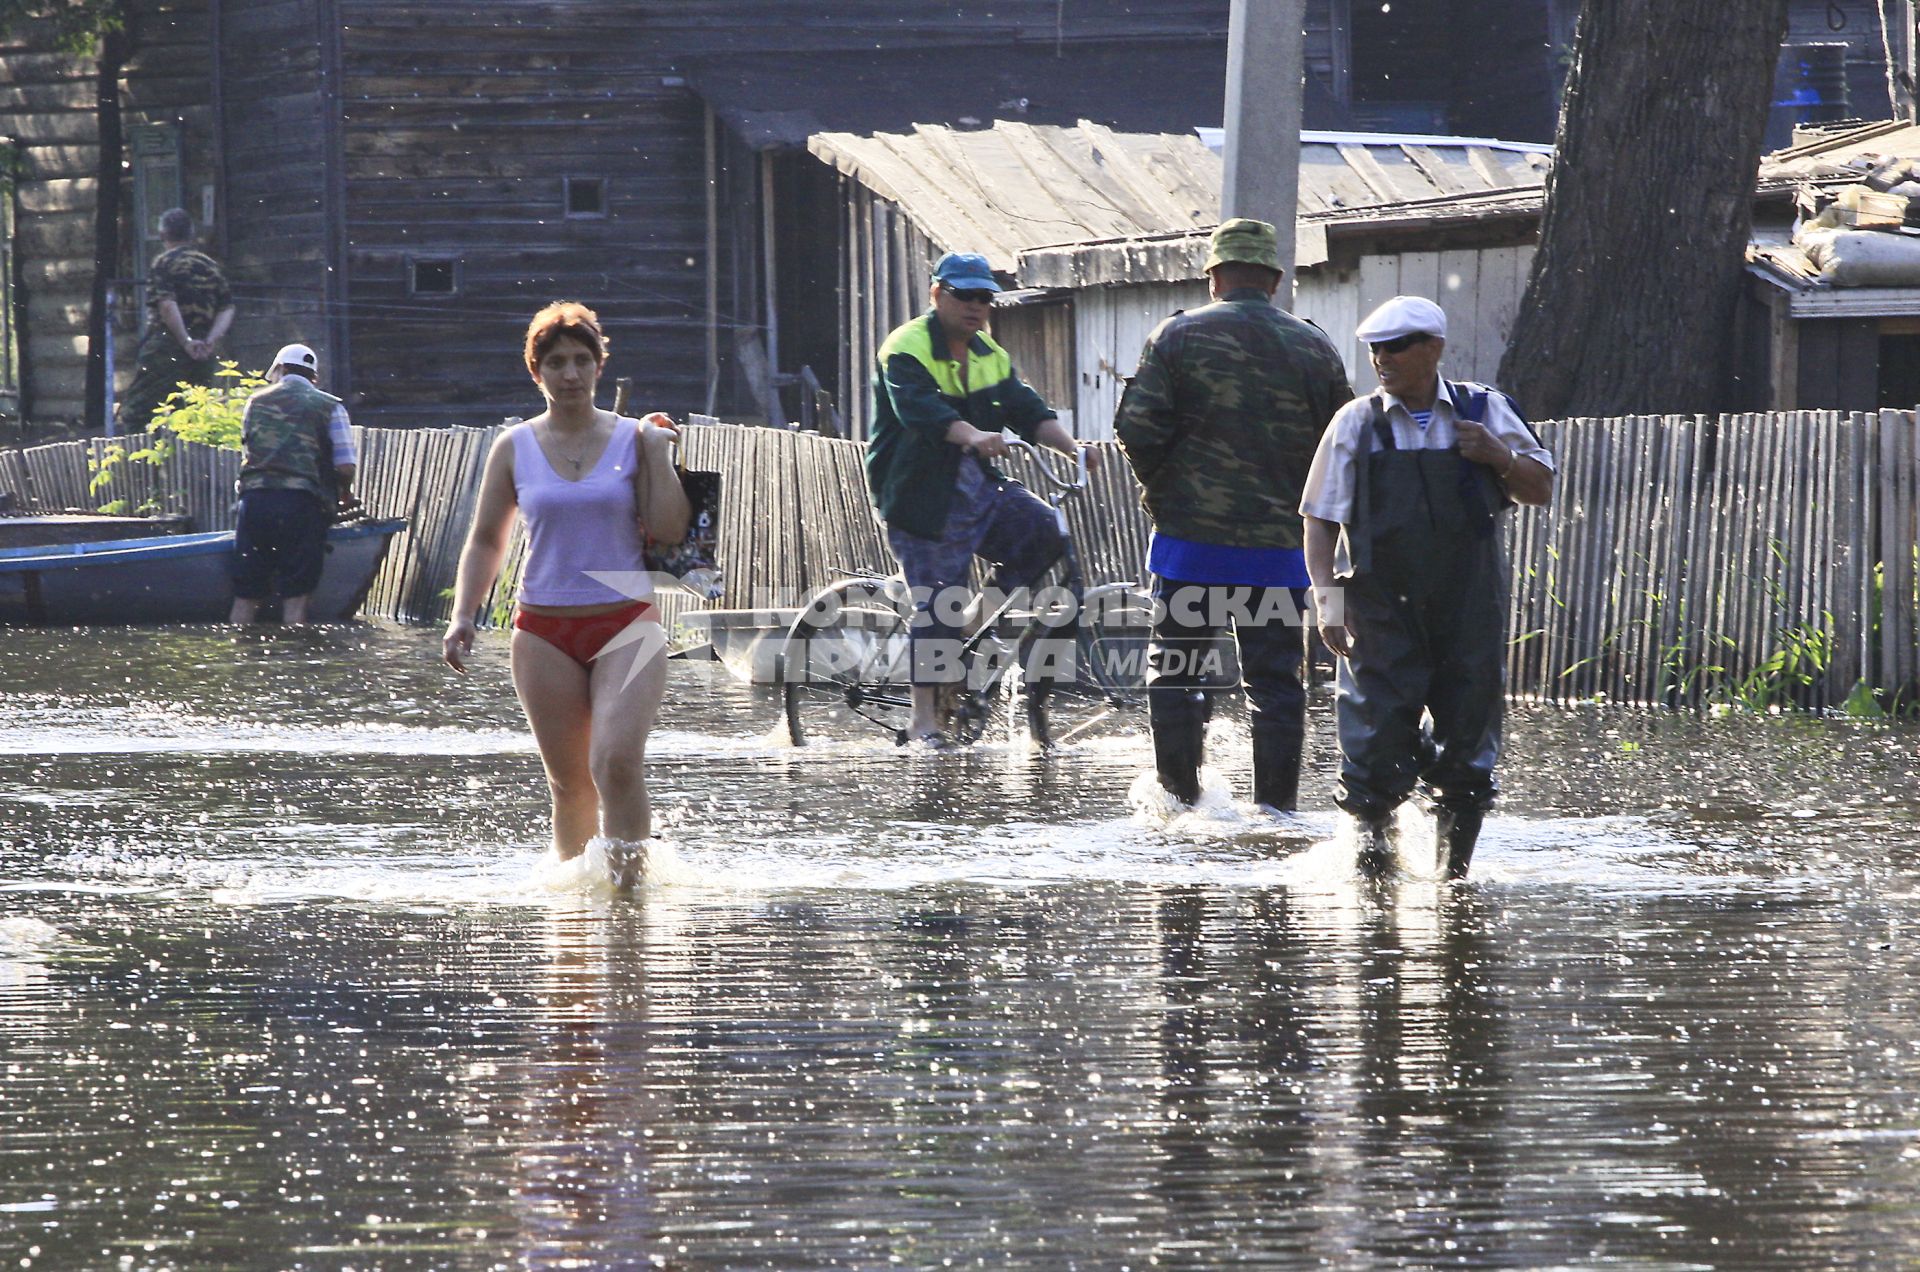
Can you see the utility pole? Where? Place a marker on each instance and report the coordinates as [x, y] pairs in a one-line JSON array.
[[1265, 66]]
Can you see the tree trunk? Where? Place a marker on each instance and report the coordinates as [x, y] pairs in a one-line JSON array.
[[106, 221], [1630, 305]]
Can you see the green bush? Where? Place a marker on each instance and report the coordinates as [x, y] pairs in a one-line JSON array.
[[209, 415]]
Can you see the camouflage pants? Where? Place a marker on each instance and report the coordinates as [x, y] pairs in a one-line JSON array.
[[1006, 524], [164, 366]]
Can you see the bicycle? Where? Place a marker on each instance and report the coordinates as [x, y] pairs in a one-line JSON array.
[[1074, 658]]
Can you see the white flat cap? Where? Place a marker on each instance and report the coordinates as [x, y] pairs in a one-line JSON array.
[[1402, 316]]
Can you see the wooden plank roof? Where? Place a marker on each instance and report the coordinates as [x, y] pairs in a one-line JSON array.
[[1015, 186], [1834, 157], [996, 190]]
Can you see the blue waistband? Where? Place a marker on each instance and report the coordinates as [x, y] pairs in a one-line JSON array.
[[1190, 562]]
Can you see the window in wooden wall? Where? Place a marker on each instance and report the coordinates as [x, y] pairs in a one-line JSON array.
[[586, 197], [430, 276]]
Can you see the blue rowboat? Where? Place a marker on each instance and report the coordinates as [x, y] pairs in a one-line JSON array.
[[179, 578]]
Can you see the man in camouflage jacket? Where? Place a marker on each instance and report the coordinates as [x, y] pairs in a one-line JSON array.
[[1220, 424], [296, 471], [189, 310]]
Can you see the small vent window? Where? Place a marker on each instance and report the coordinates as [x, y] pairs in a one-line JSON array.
[[586, 196], [433, 277]]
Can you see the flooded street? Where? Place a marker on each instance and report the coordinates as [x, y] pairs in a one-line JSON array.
[[285, 984]]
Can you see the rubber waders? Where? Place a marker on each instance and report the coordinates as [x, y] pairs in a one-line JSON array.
[[1456, 830], [1276, 772], [1375, 859], [1179, 741]]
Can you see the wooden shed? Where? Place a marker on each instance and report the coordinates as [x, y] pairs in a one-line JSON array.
[[1803, 344], [903, 199], [1810, 345]]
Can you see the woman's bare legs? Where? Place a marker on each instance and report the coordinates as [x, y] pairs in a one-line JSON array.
[[554, 693], [624, 713]]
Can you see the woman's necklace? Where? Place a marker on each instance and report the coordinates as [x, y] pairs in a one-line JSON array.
[[574, 461]]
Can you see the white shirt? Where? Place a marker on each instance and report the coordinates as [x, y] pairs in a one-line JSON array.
[[1328, 493]]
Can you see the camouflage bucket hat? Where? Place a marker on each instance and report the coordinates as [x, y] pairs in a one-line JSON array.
[[1246, 242]]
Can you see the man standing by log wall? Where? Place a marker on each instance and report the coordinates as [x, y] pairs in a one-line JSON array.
[[190, 308]]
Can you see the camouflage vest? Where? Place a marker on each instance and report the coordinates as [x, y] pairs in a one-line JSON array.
[[286, 442]]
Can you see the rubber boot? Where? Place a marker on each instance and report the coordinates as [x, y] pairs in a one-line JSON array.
[[1276, 773], [1179, 742], [1456, 830], [1376, 858]]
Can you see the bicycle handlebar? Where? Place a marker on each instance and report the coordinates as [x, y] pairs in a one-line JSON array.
[[1046, 463]]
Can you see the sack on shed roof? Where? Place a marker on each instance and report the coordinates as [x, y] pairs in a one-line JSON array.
[[1863, 258]]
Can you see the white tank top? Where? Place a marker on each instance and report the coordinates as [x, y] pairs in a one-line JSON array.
[[574, 527]]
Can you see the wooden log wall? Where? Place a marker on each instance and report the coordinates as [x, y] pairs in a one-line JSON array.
[[460, 127], [1681, 556], [276, 71], [48, 108]]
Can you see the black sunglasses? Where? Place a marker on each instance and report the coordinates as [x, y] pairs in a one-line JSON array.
[[1400, 344], [971, 295]]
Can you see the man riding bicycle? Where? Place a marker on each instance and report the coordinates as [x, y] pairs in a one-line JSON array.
[[944, 396]]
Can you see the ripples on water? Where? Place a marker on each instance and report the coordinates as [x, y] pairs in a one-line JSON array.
[[284, 982]]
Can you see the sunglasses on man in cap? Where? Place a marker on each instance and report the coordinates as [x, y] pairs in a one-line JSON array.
[[1400, 344], [971, 295]]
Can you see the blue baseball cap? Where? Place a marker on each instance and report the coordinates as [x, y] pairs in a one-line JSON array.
[[965, 271]]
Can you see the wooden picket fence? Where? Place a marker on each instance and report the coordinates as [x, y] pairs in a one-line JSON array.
[[1761, 557], [1684, 559]]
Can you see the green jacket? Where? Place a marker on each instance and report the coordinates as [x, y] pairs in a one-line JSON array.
[[1221, 421], [917, 395]]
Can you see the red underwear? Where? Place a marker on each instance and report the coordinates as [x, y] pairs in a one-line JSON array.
[[581, 636]]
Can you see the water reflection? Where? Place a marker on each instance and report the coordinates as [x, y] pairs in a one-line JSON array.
[[584, 1165], [283, 983]]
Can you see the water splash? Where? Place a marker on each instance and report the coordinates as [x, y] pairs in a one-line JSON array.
[[594, 872]]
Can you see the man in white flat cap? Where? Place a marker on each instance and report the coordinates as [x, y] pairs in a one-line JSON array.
[[296, 470], [1402, 507]]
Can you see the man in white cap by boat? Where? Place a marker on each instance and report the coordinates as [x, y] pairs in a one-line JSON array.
[[1403, 507], [296, 471]]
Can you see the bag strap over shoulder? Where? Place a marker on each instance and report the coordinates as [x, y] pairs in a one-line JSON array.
[[1468, 403]]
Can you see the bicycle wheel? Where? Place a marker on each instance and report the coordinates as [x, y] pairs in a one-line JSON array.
[[1107, 675], [844, 664]]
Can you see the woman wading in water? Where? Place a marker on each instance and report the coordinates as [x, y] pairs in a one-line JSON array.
[[589, 664]]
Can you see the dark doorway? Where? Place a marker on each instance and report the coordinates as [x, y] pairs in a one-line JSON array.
[[807, 216], [1900, 370]]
